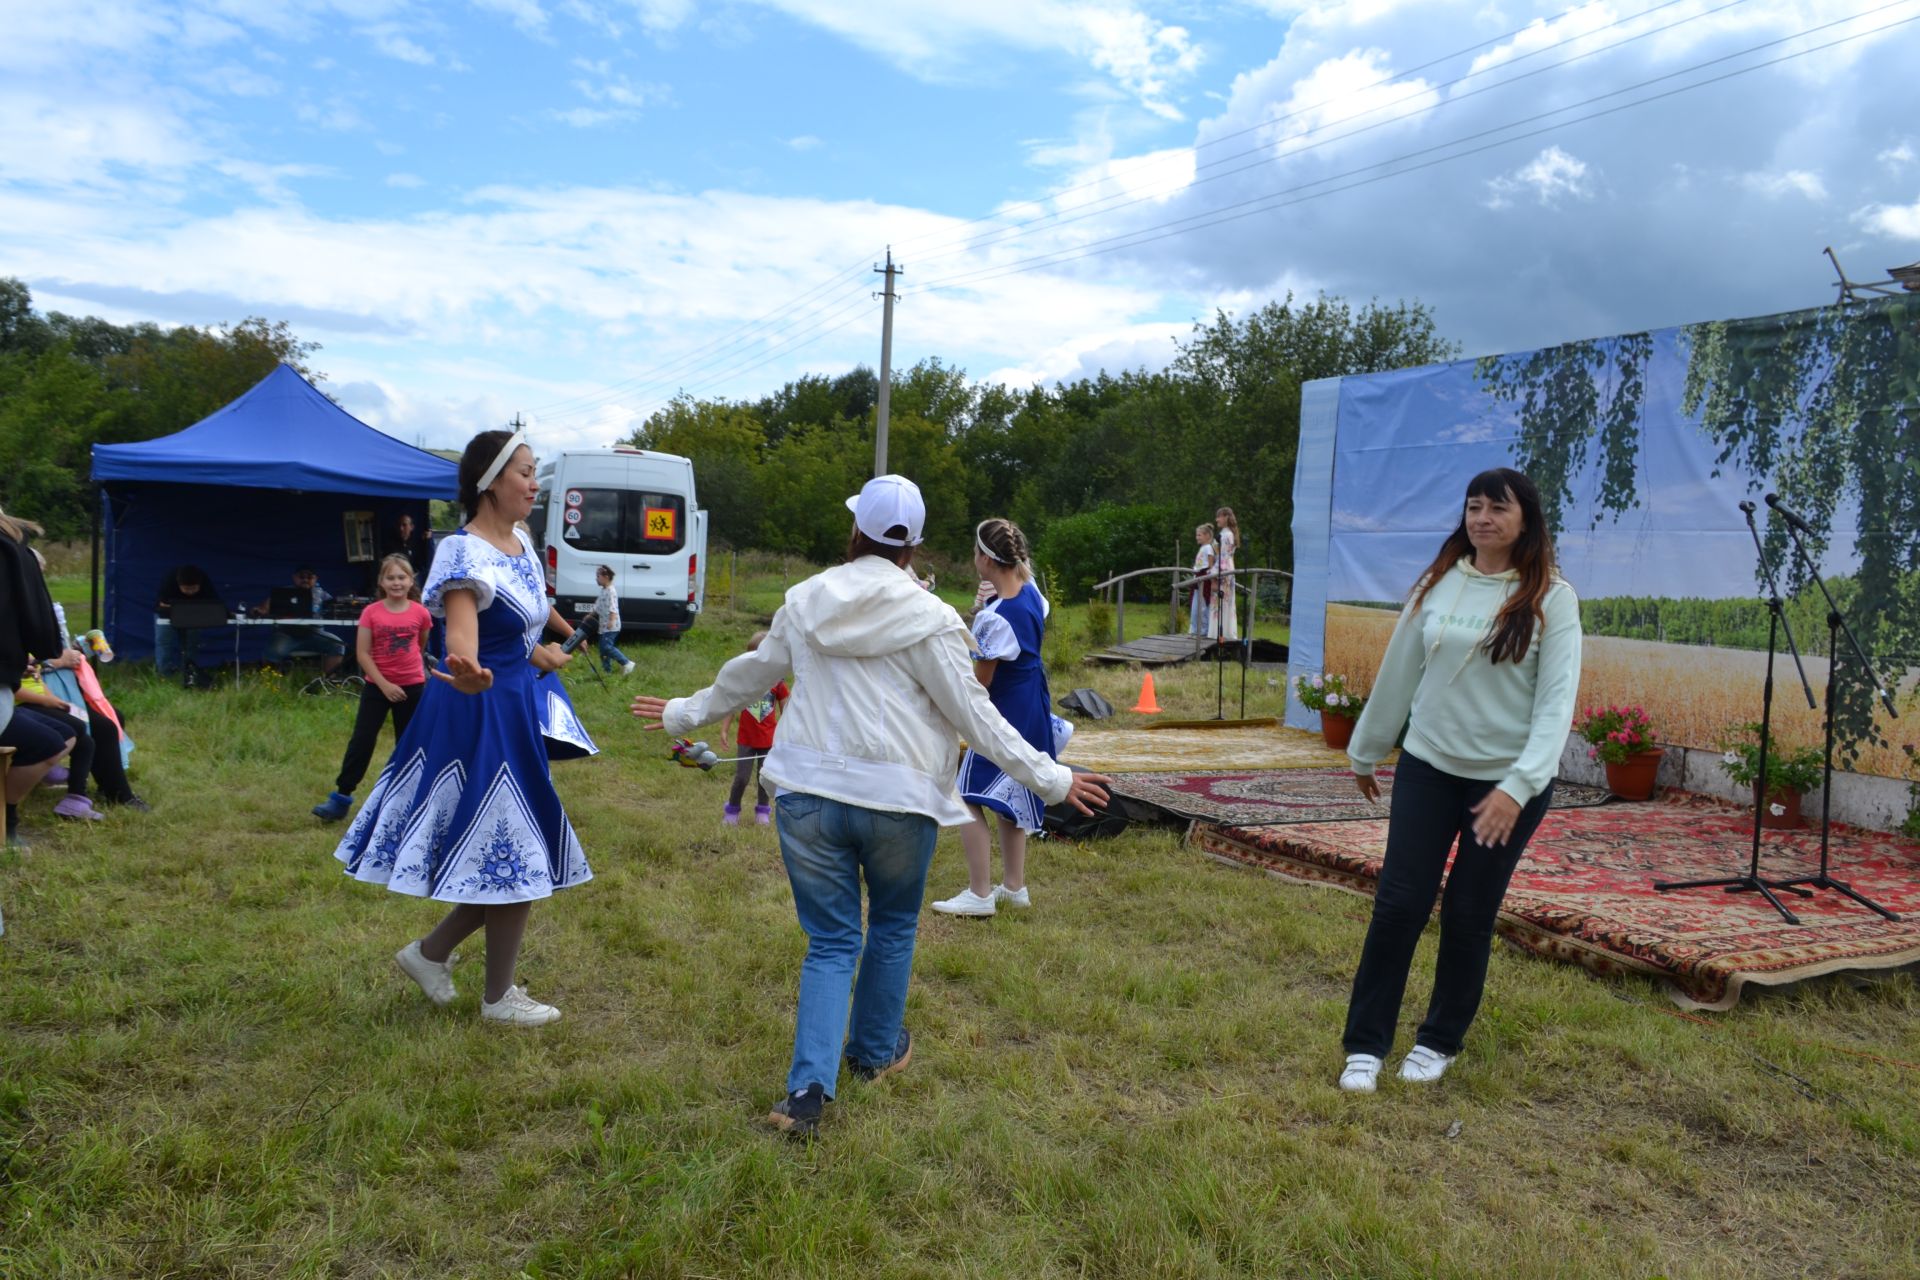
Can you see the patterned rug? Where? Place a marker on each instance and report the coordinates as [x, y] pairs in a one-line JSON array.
[[1145, 750], [1291, 795], [1585, 892]]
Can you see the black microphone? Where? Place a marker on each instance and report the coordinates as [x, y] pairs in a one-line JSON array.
[[1773, 500], [1749, 507], [588, 628]]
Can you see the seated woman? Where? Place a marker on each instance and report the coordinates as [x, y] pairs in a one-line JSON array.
[[170, 647], [37, 746], [95, 755]]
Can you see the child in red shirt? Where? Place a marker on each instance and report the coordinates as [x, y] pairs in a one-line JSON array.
[[391, 640], [756, 739]]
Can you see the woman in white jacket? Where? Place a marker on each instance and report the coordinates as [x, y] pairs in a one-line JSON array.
[[863, 769]]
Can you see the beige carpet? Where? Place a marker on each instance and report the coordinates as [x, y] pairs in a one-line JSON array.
[[1188, 750]]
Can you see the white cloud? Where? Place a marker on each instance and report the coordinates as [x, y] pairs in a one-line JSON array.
[[938, 39], [804, 142], [406, 181], [1896, 221], [395, 43], [237, 80], [1786, 182], [1897, 157], [1548, 178], [525, 14]]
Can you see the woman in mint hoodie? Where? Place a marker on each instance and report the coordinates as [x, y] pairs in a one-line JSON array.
[[1483, 670]]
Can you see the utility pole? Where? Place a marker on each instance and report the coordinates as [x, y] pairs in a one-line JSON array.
[[517, 424], [886, 365]]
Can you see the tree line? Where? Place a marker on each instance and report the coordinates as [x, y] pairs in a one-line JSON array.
[[1104, 473], [68, 383]]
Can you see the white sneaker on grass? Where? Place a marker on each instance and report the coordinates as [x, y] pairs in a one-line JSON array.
[[1362, 1073], [1003, 896], [966, 903], [628, 669], [520, 1009], [1424, 1065], [434, 979]]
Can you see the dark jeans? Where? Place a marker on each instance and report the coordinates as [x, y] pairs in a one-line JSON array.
[[1430, 810], [96, 753], [372, 713], [747, 768]]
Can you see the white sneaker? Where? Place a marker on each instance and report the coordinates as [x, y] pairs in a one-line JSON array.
[[520, 1009], [966, 903], [1362, 1073], [434, 979], [627, 670], [1424, 1066], [1011, 897]]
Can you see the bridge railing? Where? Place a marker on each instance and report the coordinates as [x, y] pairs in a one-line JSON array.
[[1245, 583]]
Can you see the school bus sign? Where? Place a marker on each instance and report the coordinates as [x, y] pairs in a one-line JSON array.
[[660, 523]]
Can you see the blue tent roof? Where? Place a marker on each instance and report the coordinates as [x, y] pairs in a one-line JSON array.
[[282, 434]]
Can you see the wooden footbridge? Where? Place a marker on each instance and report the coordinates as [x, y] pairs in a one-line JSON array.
[[1175, 646]]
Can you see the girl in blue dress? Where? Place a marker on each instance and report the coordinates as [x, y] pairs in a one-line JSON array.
[[1007, 632], [465, 812]]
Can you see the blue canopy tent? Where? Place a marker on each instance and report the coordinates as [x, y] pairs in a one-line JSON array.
[[250, 493]]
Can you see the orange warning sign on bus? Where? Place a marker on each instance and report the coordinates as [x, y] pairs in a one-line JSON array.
[[660, 523]]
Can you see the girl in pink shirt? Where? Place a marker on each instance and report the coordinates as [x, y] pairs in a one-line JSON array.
[[392, 639]]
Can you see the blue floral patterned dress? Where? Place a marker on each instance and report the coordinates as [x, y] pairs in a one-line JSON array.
[[1010, 631], [465, 810]]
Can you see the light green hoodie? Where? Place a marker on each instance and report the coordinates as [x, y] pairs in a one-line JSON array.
[[1503, 722]]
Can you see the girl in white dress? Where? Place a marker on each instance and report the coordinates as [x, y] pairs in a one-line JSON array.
[[1226, 601]]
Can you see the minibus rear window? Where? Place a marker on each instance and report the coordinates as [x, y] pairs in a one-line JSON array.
[[622, 521]]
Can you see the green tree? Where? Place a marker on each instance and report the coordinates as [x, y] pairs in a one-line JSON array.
[[726, 444]]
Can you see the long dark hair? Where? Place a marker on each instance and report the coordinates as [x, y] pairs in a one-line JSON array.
[[861, 545], [1512, 631], [474, 461]]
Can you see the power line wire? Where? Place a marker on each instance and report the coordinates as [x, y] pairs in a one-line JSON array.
[[1274, 199], [1042, 201], [1059, 218]]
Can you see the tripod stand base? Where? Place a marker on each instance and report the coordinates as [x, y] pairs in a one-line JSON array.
[[1828, 882], [1738, 884]]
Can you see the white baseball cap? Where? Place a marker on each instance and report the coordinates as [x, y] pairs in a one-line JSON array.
[[885, 502]]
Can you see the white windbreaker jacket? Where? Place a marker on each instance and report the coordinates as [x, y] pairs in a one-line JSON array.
[[883, 686]]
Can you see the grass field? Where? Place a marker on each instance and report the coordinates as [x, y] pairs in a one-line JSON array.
[[209, 1067], [1692, 692]]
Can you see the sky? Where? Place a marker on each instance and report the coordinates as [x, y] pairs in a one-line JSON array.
[[576, 209]]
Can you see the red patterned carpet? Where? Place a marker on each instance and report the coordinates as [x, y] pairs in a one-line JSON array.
[[1584, 892], [1261, 796]]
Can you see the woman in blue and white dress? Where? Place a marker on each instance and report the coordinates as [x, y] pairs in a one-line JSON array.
[[465, 812], [1007, 632]]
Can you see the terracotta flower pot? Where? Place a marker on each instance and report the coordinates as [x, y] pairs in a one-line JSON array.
[[1336, 730], [1788, 802], [1632, 778]]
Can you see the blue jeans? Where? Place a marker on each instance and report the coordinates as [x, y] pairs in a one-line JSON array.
[[1431, 810], [610, 655], [170, 647], [829, 846]]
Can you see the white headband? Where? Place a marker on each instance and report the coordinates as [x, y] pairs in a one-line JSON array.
[[981, 546], [492, 473]]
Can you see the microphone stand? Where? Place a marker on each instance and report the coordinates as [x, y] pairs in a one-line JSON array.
[[1836, 626], [1750, 881]]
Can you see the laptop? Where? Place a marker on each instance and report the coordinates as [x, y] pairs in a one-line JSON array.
[[290, 602]]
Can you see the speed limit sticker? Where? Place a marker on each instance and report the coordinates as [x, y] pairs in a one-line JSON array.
[[575, 497], [573, 515]]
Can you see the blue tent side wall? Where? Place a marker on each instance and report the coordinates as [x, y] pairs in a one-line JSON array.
[[248, 541]]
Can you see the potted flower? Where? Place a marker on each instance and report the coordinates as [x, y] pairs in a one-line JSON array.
[[1338, 705], [1791, 773], [1621, 738]]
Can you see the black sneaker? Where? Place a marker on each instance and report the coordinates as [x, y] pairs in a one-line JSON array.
[[902, 1055], [798, 1114]]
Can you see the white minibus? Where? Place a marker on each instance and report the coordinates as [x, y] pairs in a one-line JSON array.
[[634, 511]]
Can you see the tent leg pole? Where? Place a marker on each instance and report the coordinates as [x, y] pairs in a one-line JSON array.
[[93, 602]]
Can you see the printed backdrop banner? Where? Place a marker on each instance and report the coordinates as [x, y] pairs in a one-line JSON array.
[[1644, 446]]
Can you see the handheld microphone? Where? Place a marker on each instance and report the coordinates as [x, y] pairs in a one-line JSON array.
[[588, 628], [1748, 506], [1773, 500]]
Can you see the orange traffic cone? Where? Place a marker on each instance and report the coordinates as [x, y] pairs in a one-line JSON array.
[[1147, 706]]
